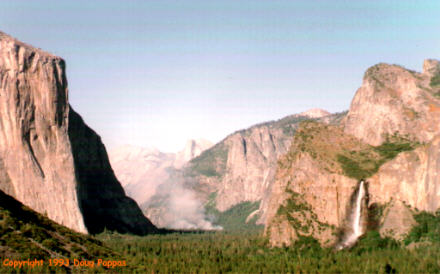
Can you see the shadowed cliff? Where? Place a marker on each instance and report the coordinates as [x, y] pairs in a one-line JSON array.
[[50, 160], [101, 197]]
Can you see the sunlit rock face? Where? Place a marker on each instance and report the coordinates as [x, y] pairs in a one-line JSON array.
[[311, 195], [395, 101], [392, 103], [242, 167], [250, 165], [412, 177], [397, 220], [50, 160]]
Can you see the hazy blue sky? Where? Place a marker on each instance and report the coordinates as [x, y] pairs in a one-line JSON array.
[[156, 73]]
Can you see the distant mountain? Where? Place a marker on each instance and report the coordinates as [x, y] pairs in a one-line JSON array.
[[141, 170], [314, 113], [193, 148], [236, 172]]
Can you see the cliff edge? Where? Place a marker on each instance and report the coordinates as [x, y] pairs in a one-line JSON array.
[[50, 160]]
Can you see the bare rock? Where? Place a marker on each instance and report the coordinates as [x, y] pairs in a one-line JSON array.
[[412, 177], [397, 221], [314, 113], [311, 193], [392, 102], [193, 148], [431, 67], [250, 165], [395, 101], [49, 159]]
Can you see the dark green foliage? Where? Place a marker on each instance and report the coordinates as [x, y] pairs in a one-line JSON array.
[[372, 241], [305, 219], [234, 219], [363, 164], [427, 228], [25, 234], [435, 81], [389, 150], [358, 168], [220, 252], [375, 213], [211, 163], [293, 204]]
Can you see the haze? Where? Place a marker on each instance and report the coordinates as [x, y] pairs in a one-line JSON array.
[[156, 73]]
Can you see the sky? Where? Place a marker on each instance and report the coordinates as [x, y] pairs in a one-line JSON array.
[[157, 73]]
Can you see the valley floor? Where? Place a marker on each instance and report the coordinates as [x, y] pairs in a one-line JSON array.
[[233, 252]]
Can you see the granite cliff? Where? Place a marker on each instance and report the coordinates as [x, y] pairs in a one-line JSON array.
[[50, 160], [237, 173], [390, 136]]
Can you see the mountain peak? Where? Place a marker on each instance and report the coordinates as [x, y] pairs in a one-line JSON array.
[[193, 148], [431, 67], [314, 113]]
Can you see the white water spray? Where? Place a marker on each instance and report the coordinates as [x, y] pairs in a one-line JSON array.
[[356, 224]]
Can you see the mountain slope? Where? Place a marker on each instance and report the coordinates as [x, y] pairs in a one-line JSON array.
[[243, 165], [25, 234], [240, 169], [390, 137]]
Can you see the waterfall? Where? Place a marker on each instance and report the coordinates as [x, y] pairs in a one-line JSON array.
[[355, 221]]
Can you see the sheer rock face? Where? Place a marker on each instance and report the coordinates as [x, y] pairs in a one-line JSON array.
[[393, 100], [49, 159], [250, 162], [250, 165], [412, 177], [326, 195], [310, 194]]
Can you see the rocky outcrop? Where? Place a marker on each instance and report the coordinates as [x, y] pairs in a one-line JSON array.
[[314, 113], [242, 167], [412, 177], [395, 101], [49, 159], [250, 165], [397, 220], [311, 193], [101, 197], [193, 148], [390, 135]]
